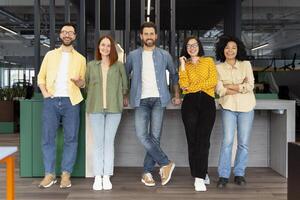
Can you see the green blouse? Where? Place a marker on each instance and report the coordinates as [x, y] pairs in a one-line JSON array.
[[117, 86]]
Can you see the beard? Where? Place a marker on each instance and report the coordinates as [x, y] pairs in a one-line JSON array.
[[149, 43], [67, 43]]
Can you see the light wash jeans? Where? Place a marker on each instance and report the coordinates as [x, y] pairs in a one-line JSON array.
[[104, 129], [242, 121], [55, 110], [148, 125]]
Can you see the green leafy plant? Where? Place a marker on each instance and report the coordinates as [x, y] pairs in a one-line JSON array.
[[19, 92], [10, 94]]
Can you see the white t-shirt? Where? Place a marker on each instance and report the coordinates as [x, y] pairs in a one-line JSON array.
[[149, 85], [61, 83]]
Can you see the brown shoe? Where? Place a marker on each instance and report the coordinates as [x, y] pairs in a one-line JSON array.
[[166, 172], [65, 180], [48, 181], [147, 179]]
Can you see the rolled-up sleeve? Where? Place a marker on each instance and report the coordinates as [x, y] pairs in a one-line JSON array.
[[83, 70], [124, 79], [172, 70], [220, 89], [128, 65], [87, 76], [42, 73], [249, 85]]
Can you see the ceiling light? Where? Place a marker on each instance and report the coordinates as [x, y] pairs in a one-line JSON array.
[[148, 7], [148, 10], [260, 46], [8, 30], [46, 45]]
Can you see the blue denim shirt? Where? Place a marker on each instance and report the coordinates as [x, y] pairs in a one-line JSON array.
[[162, 61]]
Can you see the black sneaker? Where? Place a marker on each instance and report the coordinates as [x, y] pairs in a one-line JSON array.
[[222, 182], [239, 180]]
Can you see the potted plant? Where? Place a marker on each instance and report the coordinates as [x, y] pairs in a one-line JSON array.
[[9, 108]]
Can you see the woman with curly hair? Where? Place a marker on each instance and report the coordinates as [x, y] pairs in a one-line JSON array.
[[237, 101]]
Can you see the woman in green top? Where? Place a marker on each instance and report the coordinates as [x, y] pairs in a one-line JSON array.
[[106, 84]]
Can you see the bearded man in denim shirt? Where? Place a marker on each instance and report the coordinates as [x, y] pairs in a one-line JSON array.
[[149, 95]]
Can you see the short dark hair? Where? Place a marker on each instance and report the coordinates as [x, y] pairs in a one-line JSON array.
[[147, 25], [69, 24], [184, 47], [221, 44], [113, 55]]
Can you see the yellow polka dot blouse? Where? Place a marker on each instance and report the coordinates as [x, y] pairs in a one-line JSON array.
[[199, 76]]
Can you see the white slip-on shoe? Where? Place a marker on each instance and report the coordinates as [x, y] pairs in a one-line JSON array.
[[199, 185], [97, 183], [106, 183]]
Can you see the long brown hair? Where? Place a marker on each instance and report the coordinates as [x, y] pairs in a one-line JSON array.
[[113, 55]]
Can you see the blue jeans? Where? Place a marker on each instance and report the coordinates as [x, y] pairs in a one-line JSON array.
[[105, 126], [148, 125], [55, 110], [242, 121]]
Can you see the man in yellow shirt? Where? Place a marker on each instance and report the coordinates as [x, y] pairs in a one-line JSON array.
[[60, 78]]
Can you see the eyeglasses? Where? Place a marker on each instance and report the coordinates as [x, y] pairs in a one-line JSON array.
[[195, 45], [70, 33]]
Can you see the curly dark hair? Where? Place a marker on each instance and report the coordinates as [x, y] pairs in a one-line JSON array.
[[221, 44], [184, 48]]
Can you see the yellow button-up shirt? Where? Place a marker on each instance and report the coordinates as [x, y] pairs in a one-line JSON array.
[[76, 69], [244, 101], [200, 76]]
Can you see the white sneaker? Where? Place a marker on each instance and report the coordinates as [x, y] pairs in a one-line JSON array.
[[199, 185], [206, 180], [106, 183], [97, 183]]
